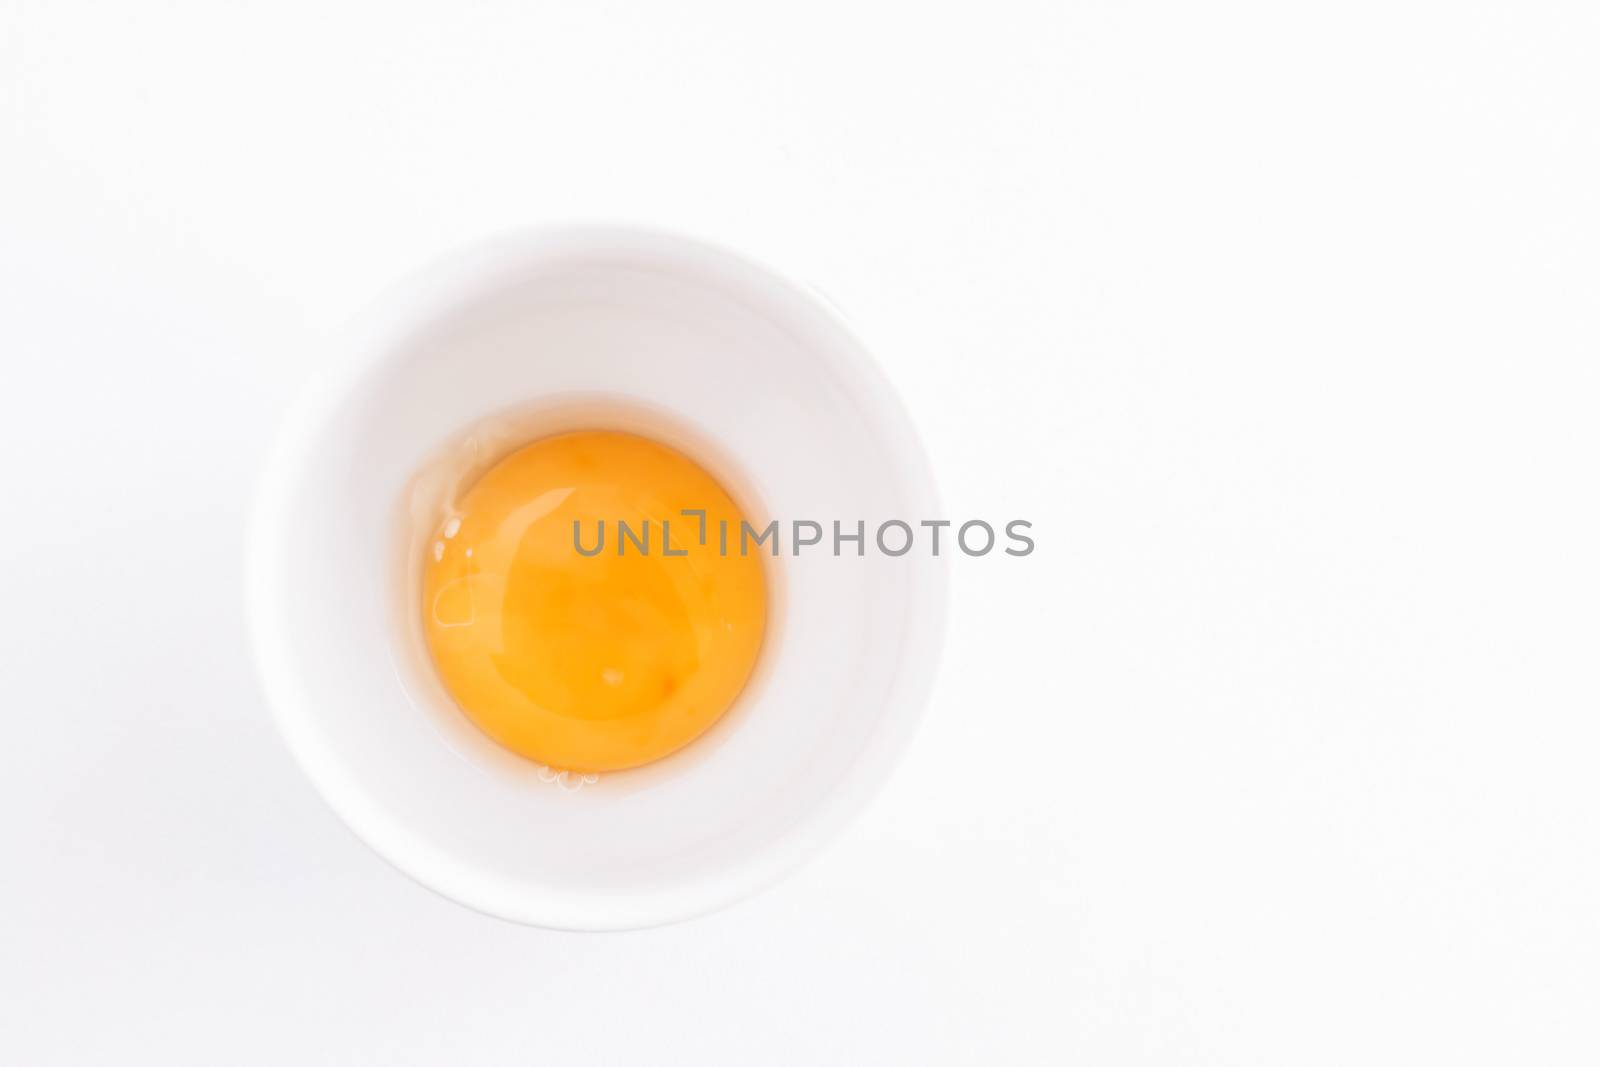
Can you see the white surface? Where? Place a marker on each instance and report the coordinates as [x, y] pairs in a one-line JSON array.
[[552, 330], [1277, 319]]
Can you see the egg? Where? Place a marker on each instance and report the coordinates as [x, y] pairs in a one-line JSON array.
[[579, 616]]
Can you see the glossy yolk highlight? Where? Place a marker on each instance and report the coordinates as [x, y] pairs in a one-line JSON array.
[[592, 663]]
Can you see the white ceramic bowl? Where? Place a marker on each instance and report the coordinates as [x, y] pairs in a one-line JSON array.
[[756, 378]]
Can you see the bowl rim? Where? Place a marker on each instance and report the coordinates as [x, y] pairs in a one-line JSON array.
[[363, 344]]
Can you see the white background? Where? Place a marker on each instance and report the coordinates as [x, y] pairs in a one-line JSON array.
[[1279, 321]]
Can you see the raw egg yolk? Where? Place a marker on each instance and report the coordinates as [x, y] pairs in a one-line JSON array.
[[592, 662]]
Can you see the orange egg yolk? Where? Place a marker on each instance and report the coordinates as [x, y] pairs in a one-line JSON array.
[[592, 662]]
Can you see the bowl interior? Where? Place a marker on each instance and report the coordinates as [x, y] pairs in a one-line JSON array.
[[618, 330]]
